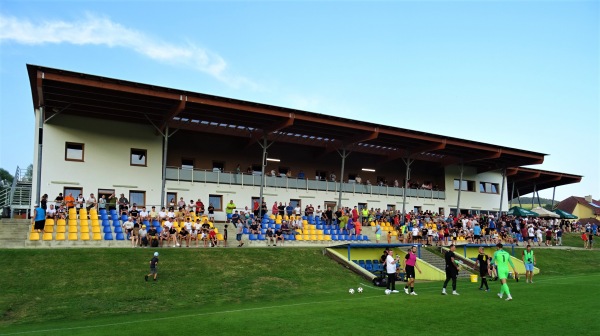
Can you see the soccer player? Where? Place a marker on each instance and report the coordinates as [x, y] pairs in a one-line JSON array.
[[483, 261], [529, 261], [153, 267], [502, 260], [451, 270], [410, 263]]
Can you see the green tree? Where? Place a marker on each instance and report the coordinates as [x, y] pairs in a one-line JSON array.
[[29, 173], [5, 177]]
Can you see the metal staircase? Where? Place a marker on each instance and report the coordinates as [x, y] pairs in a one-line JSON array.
[[17, 197], [440, 263]]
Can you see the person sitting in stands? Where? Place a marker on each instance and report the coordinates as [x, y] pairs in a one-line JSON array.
[[368, 182], [184, 235], [279, 237], [152, 235], [212, 235], [194, 236], [128, 227], [173, 236], [51, 212], [301, 175], [285, 227], [134, 213], [270, 237], [164, 235], [61, 212], [396, 184], [254, 227], [358, 179]]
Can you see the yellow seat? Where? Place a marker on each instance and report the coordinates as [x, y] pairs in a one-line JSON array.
[[304, 222], [278, 217], [219, 236], [72, 222], [320, 237], [49, 221], [49, 228], [306, 237], [299, 237], [61, 229], [85, 236], [95, 222], [286, 217], [327, 238], [61, 222], [313, 237], [72, 212], [272, 217], [93, 211], [85, 229], [216, 230], [60, 236], [34, 236], [73, 236], [72, 229], [313, 231], [95, 229], [84, 222], [97, 236], [83, 213], [47, 236], [319, 232], [94, 216], [278, 221]]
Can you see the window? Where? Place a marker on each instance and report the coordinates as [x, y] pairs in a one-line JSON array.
[[216, 201], [391, 207], [138, 157], [75, 192], [417, 209], [171, 198], [187, 163], [105, 192], [295, 202], [74, 151], [218, 165], [330, 204], [441, 211], [362, 206], [488, 188], [466, 185], [137, 197]]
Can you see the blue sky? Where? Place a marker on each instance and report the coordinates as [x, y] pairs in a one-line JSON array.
[[512, 73]]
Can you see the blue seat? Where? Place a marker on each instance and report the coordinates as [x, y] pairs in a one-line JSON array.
[[159, 229], [113, 212], [246, 231], [328, 227], [369, 267], [118, 229], [120, 236], [292, 237], [319, 227], [155, 223], [271, 221], [102, 211], [229, 216], [108, 236], [262, 237], [106, 229], [334, 237], [114, 217], [145, 222], [326, 232], [277, 226], [116, 223], [263, 231], [304, 218], [123, 217], [343, 237], [105, 222], [252, 237], [103, 217], [369, 261], [365, 238]]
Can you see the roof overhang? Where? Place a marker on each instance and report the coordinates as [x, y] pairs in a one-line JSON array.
[[527, 180]]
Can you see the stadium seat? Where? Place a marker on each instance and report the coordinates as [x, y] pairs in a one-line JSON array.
[[97, 236], [116, 223], [47, 236], [252, 237], [313, 237], [95, 229], [49, 228], [95, 222], [107, 229], [73, 236], [124, 218], [72, 222], [60, 236], [292, 237], [34, 236], [49, 221], [85, 229], [72, 229], [299, 237], [61, 229], [262, 237], [120, 236]]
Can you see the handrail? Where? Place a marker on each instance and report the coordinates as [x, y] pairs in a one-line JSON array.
[[244, 179]]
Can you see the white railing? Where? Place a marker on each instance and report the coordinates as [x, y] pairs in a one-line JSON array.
[[231, 178]]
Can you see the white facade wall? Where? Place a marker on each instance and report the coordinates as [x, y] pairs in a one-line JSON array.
[[475, 200], [106, 162]]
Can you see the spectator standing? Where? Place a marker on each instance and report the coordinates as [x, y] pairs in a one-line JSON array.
[[123, 205], [59, 200], [239, 231], [529, 261], [102, 202], [69, 201], [390, 269], [229, 210], [44, 202], [39, 218]]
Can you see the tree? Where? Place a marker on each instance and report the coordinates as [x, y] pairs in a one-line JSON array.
[[29, 173], [5, 177]]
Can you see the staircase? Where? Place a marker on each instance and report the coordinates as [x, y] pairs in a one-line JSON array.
[[17, 196], [439, 262]]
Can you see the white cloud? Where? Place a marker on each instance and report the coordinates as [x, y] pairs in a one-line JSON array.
[[94, 30]]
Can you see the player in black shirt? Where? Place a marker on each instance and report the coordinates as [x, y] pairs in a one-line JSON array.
[[451, 270], [153, 267], [483, 260]]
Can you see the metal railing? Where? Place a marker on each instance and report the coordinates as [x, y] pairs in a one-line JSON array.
[[217, 177]]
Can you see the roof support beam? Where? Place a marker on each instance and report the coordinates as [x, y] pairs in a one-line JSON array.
[[174, 112], [346, 143], [484, 156], [527, 177], [256, 136]]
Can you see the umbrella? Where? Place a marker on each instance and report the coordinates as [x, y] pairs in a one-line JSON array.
[[516, 211], [544, 213], [564, 214]]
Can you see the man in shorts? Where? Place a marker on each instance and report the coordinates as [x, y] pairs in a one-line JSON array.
[[502, 260], [410, 263], [483, 261], [529, 261], [153, 267]]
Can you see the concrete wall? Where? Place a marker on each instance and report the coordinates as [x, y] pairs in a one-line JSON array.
[[106, 162], [475, 200]]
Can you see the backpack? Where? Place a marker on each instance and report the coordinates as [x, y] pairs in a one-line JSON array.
[[155, 243]]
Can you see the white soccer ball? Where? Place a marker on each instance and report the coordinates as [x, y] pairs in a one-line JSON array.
[[351, 291], [360, 289], [388, 292]]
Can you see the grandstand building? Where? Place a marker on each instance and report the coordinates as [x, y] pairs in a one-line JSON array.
[[153, 144]]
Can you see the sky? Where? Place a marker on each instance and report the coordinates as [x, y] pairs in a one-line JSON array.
[[521, 74]]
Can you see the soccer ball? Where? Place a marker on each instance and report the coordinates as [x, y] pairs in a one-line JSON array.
[[388, 292], [351, 291], [360, 289]]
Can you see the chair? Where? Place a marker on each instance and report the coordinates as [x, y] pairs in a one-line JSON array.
[[298, 237], [320, 237], [313, 237], [85, 229], [73, 236], [118, 229], [47, 236], [49, 221], [307, 237], [34, 236], [60, 236], [262, 237], [220, 236], [252, 237], [61, 222], [84, 222], [120, 236], [72, 229], [95, 222], [96, 236], [83, 213], [96, 229], [72, 222], [334, 238], [61, 229]]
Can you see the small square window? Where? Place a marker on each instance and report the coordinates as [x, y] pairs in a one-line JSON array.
[[216, 201], [138, 157], [74, 151], [137, 197]]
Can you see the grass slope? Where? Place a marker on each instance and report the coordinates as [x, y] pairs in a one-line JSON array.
[[270, 292]]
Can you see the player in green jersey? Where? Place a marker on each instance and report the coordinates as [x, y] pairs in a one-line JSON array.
[[502, 260]]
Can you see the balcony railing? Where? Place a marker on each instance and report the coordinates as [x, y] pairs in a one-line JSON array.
[[208, 176]]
